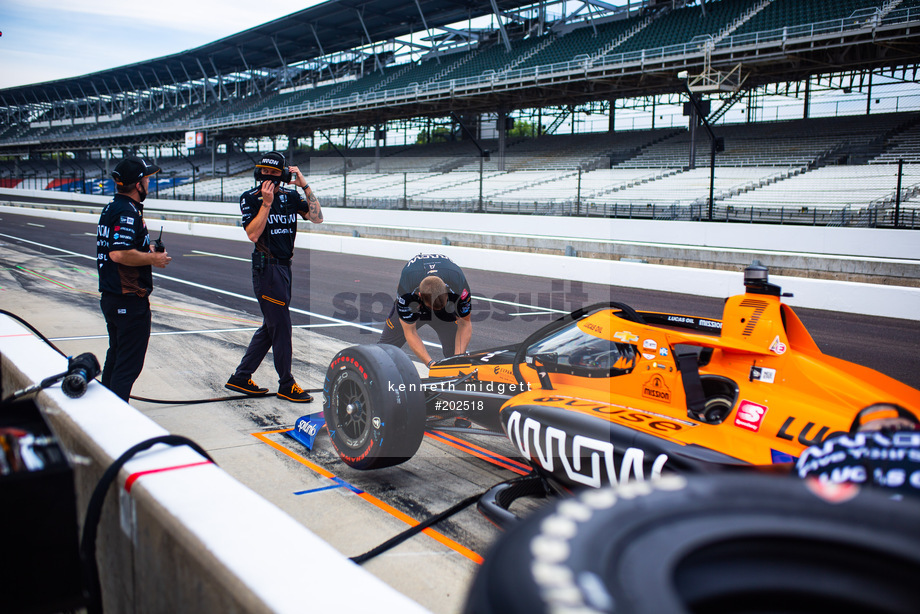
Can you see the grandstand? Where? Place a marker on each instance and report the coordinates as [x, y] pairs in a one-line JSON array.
[[532, 62]]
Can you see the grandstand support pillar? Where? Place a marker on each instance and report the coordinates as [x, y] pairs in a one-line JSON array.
[[481, 157], [897, 193], [502, 134], [578, 194], [611, 120], [869, 95], [694, 121], [807, 97]]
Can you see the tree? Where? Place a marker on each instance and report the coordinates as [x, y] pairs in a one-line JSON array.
[[523, 128], [438, 135]]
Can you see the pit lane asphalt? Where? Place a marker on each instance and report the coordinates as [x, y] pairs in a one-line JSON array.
[[204, 316]]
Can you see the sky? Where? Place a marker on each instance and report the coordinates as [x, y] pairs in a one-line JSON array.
[[44, 40]]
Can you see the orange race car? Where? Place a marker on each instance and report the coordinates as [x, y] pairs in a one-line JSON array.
[[607, 394]]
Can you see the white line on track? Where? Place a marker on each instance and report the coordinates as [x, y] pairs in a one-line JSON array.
[[332, 321], [200, 253]]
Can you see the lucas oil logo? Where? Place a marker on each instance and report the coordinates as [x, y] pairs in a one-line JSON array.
[[656, 389]]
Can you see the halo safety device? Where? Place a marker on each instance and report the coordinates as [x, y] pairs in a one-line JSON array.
[[132, 169], [274, 160]]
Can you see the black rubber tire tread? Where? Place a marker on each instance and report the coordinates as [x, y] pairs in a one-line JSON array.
[[381, 379], [416, 413], [728, 543]]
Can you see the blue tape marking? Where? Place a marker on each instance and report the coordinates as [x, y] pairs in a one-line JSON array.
[[339, 483], [312, 490], [353, 489]]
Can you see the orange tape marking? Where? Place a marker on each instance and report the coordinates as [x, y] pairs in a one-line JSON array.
[[470, 448], [443, 539]]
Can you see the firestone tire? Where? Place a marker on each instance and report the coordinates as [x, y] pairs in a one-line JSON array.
[[714, 543], [374, 406]]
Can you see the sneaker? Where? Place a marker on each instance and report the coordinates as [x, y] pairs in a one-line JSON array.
[[245, 385], [294, 393]]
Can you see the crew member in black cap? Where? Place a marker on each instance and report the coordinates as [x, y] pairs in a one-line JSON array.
[[270, 219], [432, 290], [125, 258]]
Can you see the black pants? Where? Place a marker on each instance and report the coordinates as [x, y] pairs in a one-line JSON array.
[[127, 319], [446, 331], [272, 287]]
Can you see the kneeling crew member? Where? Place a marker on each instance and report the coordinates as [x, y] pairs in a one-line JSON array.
[[124, 258], [432, 290], [270, 219]]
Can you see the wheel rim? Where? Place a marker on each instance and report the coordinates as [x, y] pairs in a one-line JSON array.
[[351, 411]]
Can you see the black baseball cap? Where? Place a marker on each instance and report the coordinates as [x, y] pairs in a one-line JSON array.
[[272, 159], [132, 169]]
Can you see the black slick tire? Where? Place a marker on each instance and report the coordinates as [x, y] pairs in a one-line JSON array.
[[705, 544], [374, 406]]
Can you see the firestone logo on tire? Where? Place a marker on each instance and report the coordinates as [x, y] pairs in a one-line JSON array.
[[350, 361], [750, 415]]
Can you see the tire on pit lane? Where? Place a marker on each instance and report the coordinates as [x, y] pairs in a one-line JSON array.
[[374, 406], [708, 543]]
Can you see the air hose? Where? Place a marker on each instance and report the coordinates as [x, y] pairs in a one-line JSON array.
[[401, 537]]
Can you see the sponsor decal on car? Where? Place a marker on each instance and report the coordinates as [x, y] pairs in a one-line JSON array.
[[778, 347], [626, 337], [792, 431], [763, 374], [750, 415], [656, 389], [648, 356], [551, 449], [649, 344], [631, 416]]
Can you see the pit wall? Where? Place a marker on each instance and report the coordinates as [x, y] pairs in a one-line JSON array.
[[837, 241], [858, 244], [187, 537]]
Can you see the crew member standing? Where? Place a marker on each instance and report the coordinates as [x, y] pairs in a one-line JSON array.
[[124, 257], [270, 219], [432, 290]]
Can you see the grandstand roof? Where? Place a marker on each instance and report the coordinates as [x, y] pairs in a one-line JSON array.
[[336, 25]]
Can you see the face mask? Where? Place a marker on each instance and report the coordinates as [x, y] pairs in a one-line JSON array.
[[141, 192]]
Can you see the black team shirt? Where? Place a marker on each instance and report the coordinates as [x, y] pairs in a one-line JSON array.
[[277, 240], [122, 227], [409, 304]]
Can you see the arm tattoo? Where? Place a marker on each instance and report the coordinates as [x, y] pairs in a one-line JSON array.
[[315, 214]]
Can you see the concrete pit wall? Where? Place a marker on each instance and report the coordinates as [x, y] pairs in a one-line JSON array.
[[187, 537]]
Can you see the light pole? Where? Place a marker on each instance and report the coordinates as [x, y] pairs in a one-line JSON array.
[[483, 153], [716, 144]]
